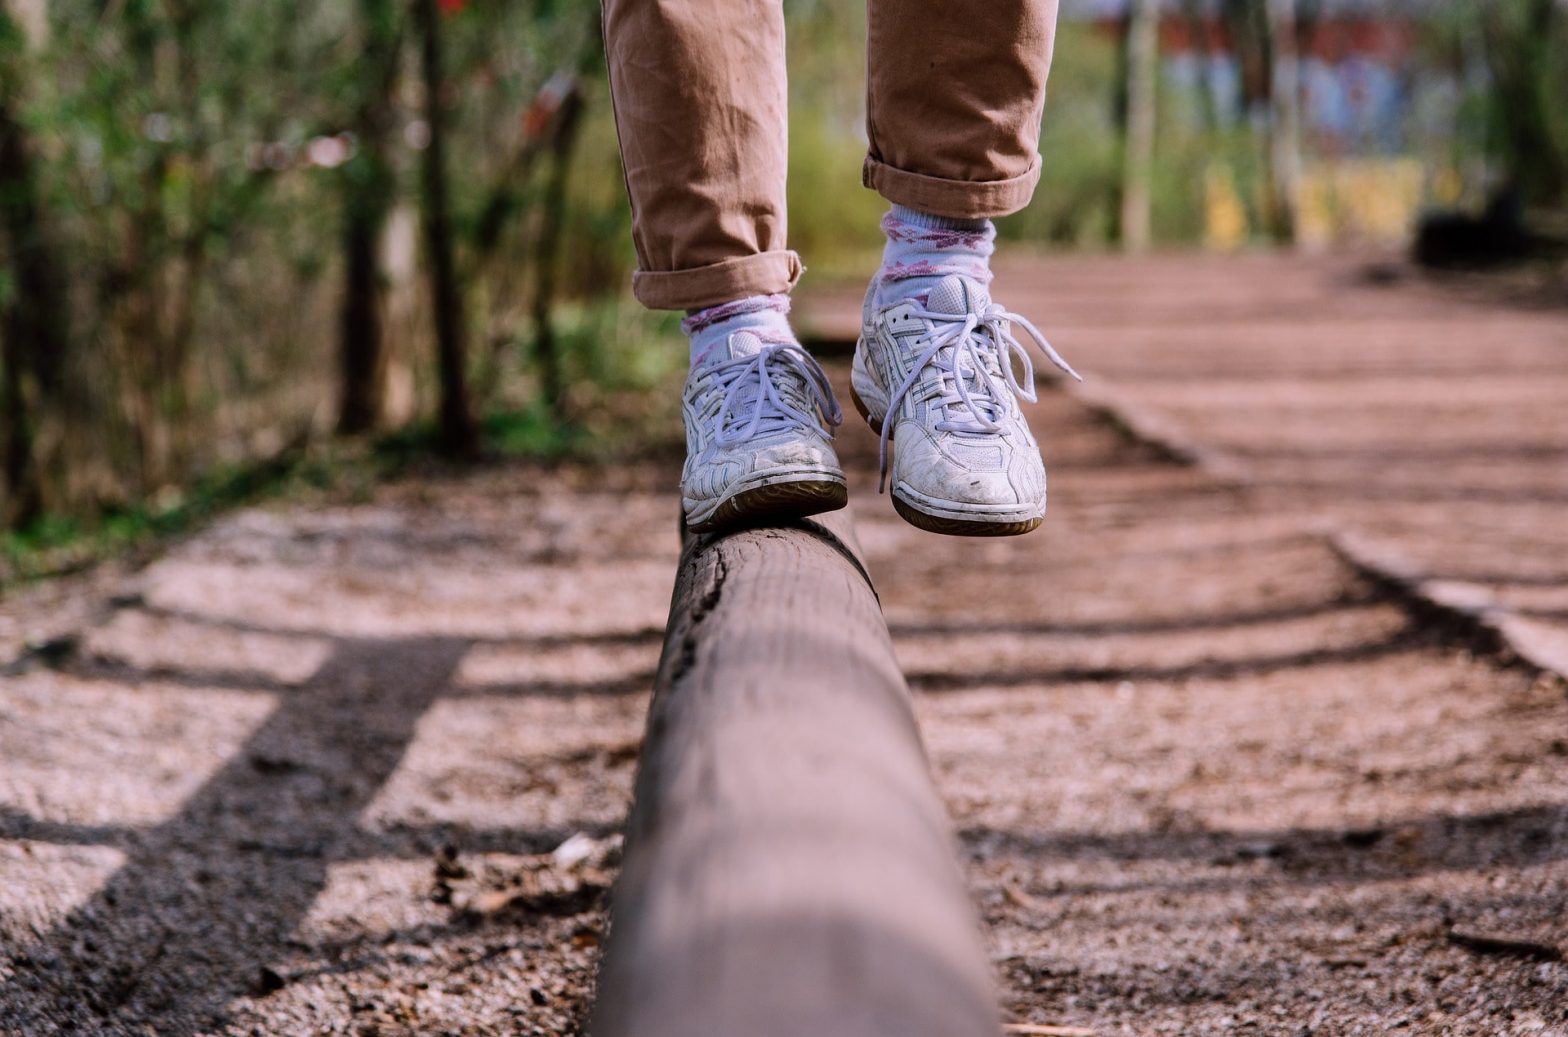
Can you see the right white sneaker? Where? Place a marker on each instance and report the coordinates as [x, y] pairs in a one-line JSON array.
[[939, 379], [758, 431]]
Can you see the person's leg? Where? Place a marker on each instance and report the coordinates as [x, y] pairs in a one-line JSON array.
[[700, 105], [954, 96], [701, 112], [955, 93]]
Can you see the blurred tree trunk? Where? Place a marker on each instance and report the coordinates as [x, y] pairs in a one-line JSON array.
[[458, 434], [1245, 25], [32, 18], [35, 321], [1526, 44], [1284, 120], [177, 341], [131, 282], [1263, 37], [548, 245], [369, 187], [23, 498], [399, 264], [1142, 66], [1196, 14]]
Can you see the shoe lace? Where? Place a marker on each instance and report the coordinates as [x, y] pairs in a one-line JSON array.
[[973, 354], [759, 395]]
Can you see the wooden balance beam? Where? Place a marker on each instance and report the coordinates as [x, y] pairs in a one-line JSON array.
[[789, 869]]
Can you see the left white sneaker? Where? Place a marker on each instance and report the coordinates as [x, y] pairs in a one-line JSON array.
[[939, 378], [759, 437]]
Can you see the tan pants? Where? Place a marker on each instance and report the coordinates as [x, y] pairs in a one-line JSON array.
[[954, 91]]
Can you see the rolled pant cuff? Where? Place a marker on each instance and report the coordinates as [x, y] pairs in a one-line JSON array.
[[763, 273], [957, 199]]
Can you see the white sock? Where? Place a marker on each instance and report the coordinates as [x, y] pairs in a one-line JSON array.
[[766, 316], [922, 249]]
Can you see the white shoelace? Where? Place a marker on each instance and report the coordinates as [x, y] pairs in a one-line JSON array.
[[954, 341], [752, 381]]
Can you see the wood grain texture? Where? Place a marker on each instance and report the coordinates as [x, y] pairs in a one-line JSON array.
[[789, 869]]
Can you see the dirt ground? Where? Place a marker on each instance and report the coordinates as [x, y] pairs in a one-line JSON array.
[[311, 771]]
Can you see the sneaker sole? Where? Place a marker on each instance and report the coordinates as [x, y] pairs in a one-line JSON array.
[[773, 503], [962, 527], [945, 524]]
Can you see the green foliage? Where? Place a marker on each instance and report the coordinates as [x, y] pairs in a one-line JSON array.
[[1527, 55], [533, 431], [192, 157], [832, 219], [196, 162], [597, 255], [1080, 144], [58, 543], [625, 365]]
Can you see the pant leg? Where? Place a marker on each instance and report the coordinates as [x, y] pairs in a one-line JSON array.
[[701, 109], [954, 95]]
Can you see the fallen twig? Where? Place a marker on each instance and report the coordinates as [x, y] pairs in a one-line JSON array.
[[1018, 898], [1043, 1030], [1482, 943]]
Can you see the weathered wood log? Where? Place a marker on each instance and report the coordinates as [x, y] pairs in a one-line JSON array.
[[789, 869]]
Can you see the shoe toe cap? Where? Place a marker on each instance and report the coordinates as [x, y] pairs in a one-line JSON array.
[[722, 469], [711, 478], [982, 474], [795, 452]]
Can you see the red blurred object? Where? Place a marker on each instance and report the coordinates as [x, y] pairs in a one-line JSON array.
[[541, 113], [451, 7], [536, 120]]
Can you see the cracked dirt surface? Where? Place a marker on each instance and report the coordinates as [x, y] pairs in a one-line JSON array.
[[312, 770]]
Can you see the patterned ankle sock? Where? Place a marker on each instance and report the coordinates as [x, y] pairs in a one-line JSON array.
[[766, 316], [922, 249]]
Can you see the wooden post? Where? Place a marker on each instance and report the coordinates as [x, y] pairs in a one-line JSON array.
[[1284, 119], [789, 869], [369, 192], [35, 340], [547, 245], [459, 435], [1143, 58]]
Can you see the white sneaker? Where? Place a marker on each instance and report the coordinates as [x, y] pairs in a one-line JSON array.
[[757, 438], [939, 378]]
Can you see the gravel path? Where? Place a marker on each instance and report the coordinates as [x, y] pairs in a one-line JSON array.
[[1426, 418], [312, 770]]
